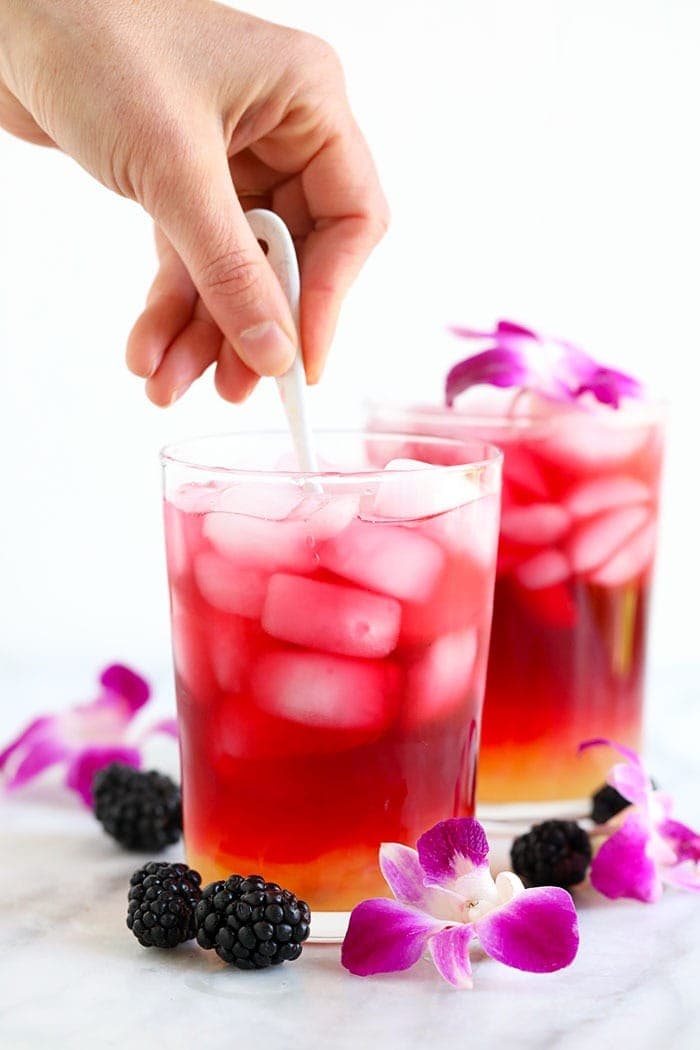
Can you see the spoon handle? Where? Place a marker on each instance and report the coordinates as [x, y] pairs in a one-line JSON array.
[[281, 256]]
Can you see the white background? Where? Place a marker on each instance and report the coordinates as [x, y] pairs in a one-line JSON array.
[[541, 161]]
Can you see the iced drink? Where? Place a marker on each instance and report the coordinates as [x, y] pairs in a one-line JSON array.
[[576, 551], [330, 638]]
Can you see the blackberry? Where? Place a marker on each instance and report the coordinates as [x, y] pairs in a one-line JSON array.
[[250, 923], [162, 899], [555, 853], [142, 811], [608, 802]]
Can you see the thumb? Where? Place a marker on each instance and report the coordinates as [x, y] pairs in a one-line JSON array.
[[202, 217]]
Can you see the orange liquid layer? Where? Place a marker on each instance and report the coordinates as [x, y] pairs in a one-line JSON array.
[[558, 675]]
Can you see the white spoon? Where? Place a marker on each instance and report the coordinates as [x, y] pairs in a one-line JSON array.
[[282, 257]]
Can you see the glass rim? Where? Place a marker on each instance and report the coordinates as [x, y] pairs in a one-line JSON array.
[[655, 411], [490, 455]]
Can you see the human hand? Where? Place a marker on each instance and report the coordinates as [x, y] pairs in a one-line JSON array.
[[195, 111]]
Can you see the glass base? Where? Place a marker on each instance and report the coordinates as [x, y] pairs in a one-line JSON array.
[[519, 813], [328, 927], [505, 821]]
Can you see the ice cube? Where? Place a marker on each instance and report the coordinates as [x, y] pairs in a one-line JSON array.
[[175, 542], [537, 524], [595, 541], [332, 692], [633, 559], [271, 545], [405, 499], [471, 530], [511, 555], [248, 732], [554, 607], [233, 644], [600, 494], [521, 471], [183, 538], [229, 586], [461, 598], [331, 618], [196, 497], [390, 559], [589, 442], [327, 515], [407, 464], [191, 655], [544, 569], [438, 683], [272, 501]]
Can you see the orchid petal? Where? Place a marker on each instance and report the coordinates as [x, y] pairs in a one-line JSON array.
[[685, 876], [661, 805], [469, 333], [630, 778], [450, 952], [537, 930], [105, 720], [85, 736], [601, 741], [661, 853], [166, 725], [402, 872], [33, 731], [384, 936], [555, 368], [632, 782], [683, 840], [498, 366], [452, 849], [38, 754], [609, 385], [83, 767], [622, 866], [401, 868], [506, 328], [502, 332], [127, 684]]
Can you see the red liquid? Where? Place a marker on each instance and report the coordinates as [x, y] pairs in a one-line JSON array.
[[567, 659], [338, 706], [568, 640]]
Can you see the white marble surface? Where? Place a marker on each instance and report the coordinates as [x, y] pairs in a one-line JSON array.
[[74, 977]]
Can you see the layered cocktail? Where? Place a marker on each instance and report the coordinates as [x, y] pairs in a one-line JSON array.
[[582, 459], [330, 635], [577, 542]]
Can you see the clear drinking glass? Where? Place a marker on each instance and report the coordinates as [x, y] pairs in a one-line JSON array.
[[330, 635], [573, 583]]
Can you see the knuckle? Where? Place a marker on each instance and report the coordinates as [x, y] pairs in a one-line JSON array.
[[234, 275], [318, 53], [379, 222]]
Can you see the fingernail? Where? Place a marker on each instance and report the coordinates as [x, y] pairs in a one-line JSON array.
[[178, 392], [267, 348]]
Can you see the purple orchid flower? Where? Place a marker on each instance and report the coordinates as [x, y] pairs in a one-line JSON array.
[[445, 898], [644, 846], [521, 357], [86, 737]]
